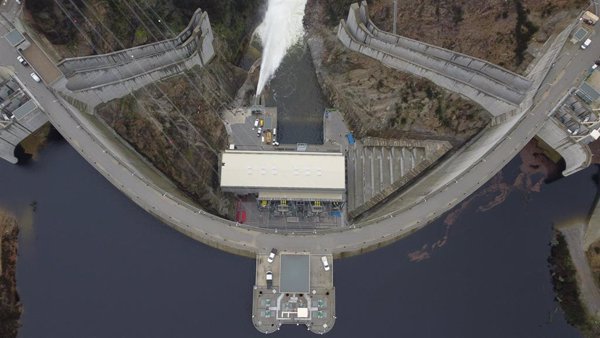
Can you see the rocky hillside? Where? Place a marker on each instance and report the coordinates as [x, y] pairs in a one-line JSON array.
[[379, 101], [500, 31], [78, 27], [10, 307], [175, 124]]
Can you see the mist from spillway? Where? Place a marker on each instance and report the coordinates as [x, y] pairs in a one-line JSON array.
[[281, 29]]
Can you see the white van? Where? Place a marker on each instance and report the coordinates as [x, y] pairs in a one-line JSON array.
[[586, 44], [35, 77], [325, 263]]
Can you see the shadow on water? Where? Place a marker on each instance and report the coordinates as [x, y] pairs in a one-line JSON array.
[[596, 181], [25, 158], [297, 94]]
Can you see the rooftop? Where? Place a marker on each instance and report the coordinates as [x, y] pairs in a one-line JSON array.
[[283, 170], [14, 37], [295, 273]]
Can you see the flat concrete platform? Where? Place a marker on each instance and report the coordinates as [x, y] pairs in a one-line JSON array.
[[41, 63], [313, 304]]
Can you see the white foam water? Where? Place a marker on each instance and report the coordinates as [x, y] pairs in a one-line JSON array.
[[281, 29]]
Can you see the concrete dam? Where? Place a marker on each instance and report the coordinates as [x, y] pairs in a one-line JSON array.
[[101, 78]]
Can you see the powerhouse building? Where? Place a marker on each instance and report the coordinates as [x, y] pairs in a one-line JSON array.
[[284, 175]]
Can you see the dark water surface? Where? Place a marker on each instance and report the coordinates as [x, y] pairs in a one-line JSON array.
[[300, 104], [93, 264]]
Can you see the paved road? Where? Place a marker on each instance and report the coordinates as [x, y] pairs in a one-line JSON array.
[[106, 157]]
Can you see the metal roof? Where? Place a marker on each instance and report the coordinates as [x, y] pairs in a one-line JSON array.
[[14, 37], [24, 109], [587, 93], [283, 170], [295, 273]]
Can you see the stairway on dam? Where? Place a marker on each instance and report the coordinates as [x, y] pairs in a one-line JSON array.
[[96, 79], [496, 89], [377, 168]]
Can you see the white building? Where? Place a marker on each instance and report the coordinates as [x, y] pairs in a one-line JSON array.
[[279, 175]]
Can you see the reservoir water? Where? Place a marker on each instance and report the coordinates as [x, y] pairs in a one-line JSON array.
[[93, 264]]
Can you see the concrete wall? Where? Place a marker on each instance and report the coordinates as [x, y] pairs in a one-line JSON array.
[[17, 131], [101, 78], [493, 87], [474, 153], [434, 150], [518, 82], [493, 104], [72, 65], [577, 156], [101, 94]]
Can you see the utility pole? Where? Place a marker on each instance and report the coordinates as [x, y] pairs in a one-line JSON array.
[[395, 14]]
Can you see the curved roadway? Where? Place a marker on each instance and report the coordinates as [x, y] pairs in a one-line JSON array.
[[109, 161]]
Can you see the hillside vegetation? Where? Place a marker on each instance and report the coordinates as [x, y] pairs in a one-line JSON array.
[[85, 27]]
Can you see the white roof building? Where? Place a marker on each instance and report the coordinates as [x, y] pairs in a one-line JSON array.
[[284, 175]]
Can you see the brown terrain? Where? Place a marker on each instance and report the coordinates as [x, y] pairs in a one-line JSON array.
[[499, 31], [10, 306], [175, 124], [377, 100]]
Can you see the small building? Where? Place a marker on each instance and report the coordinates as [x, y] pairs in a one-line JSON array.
[[589, 91], [284, 175], [15, 38]]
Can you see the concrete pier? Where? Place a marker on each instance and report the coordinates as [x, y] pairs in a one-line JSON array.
[[301, 292]]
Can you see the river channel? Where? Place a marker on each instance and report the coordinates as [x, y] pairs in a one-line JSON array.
[[93, 264]]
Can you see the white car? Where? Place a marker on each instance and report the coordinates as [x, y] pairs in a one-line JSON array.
[[269, 279], [35, 77], [21, 60], [586, 44], [325, 263], [272, 255], [256, 123]]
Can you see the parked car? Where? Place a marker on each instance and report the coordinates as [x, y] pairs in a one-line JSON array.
[[325, 263], [586, 44], [259, 132], [269, 279], [21, 60], [35, 77], [256, 123], [272, 255]]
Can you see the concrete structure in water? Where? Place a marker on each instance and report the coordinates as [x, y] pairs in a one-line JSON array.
[[301, 292], [19, 116]]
